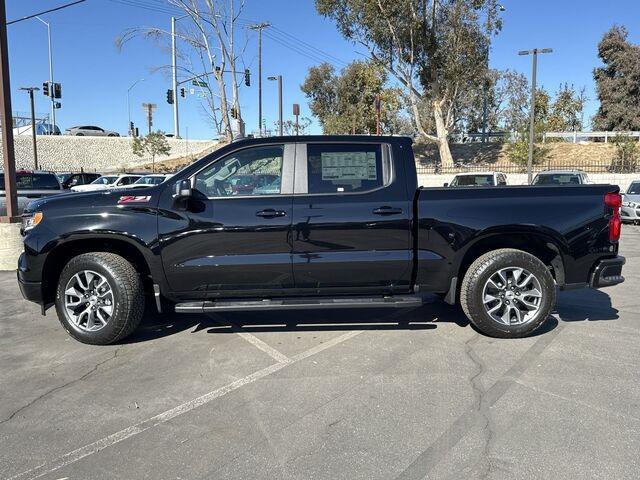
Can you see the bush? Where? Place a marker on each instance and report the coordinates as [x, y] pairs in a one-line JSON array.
[[518, 153], [627, 153]]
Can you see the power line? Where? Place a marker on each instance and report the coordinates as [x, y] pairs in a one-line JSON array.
[[46, 11]]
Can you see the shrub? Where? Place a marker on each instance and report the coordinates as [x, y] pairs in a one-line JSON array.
[[627, 153], [518, 152]]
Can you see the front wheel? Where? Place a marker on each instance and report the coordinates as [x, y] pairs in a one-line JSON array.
[[100, 298], [507, 293]]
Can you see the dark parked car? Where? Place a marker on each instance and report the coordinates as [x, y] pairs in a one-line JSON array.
[[346, 226], [69, 180], [30, 185]]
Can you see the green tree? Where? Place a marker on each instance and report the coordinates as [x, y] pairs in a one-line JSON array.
[[289, 126], [346, 102], [153, 144], [567, 109], [618, 82], [437, 50]]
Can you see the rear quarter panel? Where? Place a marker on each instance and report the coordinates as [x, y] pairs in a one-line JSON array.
[[573, 219]]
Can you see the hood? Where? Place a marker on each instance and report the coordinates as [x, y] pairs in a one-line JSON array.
[[89, 187]]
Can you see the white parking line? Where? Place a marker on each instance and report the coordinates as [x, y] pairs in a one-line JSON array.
[[268, 349], [95, 447]]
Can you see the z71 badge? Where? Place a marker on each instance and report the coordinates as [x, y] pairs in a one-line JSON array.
[[134, 199]]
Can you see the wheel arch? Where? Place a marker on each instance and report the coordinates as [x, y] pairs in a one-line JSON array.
[[61, 253], [539, 242]]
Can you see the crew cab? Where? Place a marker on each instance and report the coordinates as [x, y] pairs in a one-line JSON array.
[[343, 224]]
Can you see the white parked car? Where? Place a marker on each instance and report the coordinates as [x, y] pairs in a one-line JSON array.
[[150, 180], [106, 182], [90, 131], [478, 179], [561, 177], [630, 211]]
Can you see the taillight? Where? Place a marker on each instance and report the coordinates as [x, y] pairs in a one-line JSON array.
[[614, 200]]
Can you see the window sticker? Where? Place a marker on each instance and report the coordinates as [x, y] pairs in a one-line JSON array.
[[349, 166]]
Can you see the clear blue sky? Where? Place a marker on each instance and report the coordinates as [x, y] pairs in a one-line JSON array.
[[95, 75]]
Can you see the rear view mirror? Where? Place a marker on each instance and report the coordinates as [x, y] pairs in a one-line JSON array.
[[446, 184]]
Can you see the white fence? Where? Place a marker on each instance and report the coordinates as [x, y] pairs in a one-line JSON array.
[[576, 137]]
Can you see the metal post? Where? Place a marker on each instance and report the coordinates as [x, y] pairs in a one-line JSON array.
[[129, 129], [532, 122], [280, 104], [174, 75], [33, 126], [378, 106], [6, 122]]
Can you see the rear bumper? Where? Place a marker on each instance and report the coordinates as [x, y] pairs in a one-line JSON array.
[[607, 272]]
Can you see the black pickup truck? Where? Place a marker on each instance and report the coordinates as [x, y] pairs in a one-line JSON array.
[[315, 222]]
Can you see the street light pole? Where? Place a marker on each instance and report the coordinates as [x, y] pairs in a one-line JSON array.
[[534, 69], [129, 102], [279, 79], [259, 28], [33, 124], [174, 77], [51, 89]]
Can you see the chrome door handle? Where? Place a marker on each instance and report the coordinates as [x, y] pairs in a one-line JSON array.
[[387, 211], [271, 213]]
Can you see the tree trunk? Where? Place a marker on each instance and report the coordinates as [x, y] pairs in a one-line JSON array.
[[446, 160]]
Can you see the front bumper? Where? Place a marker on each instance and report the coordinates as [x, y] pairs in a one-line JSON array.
[[30, 290], [630, 214], [607, 272]]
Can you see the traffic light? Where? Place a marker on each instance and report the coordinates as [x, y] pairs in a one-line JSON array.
[[57, 105], [182, 93], [247, 77], [45, 88], [234, 112], [131, 129], [57, 90], [170, 97]]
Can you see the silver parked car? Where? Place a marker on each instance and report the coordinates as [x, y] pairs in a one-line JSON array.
[[150, 180], [90, 131], [630, 211]]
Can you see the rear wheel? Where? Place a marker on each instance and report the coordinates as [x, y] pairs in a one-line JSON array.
[[507, 293], [100, 298]]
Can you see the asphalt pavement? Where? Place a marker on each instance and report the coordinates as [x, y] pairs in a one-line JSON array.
[[338, 394]]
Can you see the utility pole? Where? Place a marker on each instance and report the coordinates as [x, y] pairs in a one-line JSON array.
[[51, 85], [279, 79], [259, 27], [534, 68], [149, 108], [33, 123], [6, 122]]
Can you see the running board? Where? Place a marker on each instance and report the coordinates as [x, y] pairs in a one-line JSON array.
[[396, 301]]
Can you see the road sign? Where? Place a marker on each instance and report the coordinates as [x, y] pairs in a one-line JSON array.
[[199, 83]]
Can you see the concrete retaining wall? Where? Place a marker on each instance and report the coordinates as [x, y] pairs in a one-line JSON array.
[[621, 179], [10, 245], [64, 153]]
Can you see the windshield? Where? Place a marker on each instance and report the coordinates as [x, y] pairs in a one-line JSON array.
[[104, 180], [472, 180], [149, 181], [634, 188], [557, 179]]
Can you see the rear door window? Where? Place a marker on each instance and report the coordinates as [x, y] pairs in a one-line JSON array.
[[346, 168], [45, 181]]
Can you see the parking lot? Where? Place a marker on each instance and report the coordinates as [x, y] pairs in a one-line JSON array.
[[352, 394]]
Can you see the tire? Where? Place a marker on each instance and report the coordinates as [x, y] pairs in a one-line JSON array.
[[79, 134], [482, 284], [114, 310]]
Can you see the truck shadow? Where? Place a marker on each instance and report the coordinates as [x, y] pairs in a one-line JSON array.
[[583, 305]]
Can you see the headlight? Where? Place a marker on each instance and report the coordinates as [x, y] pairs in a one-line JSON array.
[[30, 220]]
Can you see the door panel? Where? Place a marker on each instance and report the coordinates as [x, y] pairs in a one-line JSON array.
[[239, 242], [350, 240]]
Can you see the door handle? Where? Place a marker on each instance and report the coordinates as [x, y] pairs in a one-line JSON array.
[[271, 213], [387, 211]]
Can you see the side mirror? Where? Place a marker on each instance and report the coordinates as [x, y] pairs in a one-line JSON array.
[[446, 184], [182, 190]]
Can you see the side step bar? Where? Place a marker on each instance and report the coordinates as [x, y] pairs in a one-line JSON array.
[[396, 301]]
